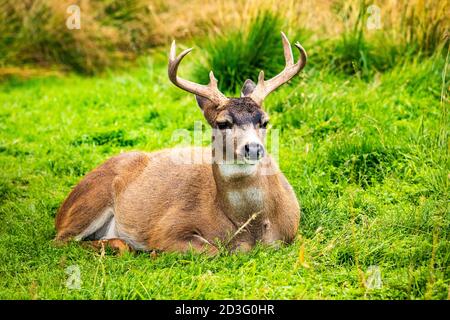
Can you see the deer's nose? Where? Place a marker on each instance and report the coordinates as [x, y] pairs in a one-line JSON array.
[[253, 151]]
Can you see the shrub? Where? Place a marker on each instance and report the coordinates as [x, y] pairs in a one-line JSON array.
[[239, 55], [407, 29], [35, 32], [422, 25]]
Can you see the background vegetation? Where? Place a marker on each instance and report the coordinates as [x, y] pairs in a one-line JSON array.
[[364, 141]]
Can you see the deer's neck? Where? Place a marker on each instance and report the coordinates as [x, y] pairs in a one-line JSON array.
[[241, 190]]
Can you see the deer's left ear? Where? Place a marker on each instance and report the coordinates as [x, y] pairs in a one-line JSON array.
[[204, 103], [247, 88]]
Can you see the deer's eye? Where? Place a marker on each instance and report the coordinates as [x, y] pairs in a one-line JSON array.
[[224, 125], [264, 124]]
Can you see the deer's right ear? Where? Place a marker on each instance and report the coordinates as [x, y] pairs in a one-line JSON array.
[[248, 88], [204, 103]]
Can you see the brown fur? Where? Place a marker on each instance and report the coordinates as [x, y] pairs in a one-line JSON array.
[[167, 206], [94, 193], [164, 205]]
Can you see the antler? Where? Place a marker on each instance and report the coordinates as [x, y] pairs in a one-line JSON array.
[[210, 91], [264, 88]]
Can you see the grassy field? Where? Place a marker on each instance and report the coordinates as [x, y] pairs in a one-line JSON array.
[[368, 160]]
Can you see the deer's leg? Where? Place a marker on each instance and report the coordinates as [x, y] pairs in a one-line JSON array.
[[178, 231], [195, 242], [117, 245]]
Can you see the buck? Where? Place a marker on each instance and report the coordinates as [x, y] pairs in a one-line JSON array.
[[150, 201]]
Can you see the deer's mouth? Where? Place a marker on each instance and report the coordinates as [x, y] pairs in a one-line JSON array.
[[237, 170], [247, 161], [250, 162]]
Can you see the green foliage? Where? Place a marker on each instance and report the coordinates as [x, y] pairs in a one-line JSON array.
[[240, 55], [34, 32], [368, 161], [424, 27], [362, 52], [115, 138], [362, 162], [352, 53]]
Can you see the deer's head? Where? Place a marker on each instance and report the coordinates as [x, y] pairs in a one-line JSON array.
[[239, 124]]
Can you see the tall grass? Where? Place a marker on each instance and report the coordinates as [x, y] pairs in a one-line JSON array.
[[33, 31], [422, 26], [239, 55], [352, 53], [406, 30]]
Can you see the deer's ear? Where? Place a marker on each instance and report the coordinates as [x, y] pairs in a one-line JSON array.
[[204, 103], [248, 88]]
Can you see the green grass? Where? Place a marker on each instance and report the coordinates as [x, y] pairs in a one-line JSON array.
[[241, 54], [368, 161]]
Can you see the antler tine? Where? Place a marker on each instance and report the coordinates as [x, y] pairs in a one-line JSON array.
[[174, 62], [209, 91], [173, 51], [288, 56], [212, 80], [264, 88], [303, 55]]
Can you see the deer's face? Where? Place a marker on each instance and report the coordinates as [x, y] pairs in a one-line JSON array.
[[238, 123], [239, 130]]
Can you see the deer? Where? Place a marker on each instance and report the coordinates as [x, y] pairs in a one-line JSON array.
[[236, 197]]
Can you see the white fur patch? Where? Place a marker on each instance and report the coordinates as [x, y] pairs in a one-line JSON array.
[[97, 224], [131, 242], [105, 227], [252, 196], [237, 170], [111, 232], [199, 237]]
